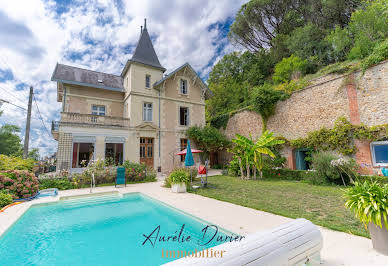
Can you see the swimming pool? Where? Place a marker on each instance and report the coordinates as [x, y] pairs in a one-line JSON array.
[[110, 230]]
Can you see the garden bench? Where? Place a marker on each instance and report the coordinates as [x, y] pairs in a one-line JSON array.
[[294, 243]]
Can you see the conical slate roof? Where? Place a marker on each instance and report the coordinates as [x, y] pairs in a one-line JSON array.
[[145, 52]]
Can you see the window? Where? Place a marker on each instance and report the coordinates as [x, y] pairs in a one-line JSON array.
[[183, 86], [98, 110], [183, 116], [114, 153], [82, 154], [148, 81], [183, 146], [147, 111], [380, 153]]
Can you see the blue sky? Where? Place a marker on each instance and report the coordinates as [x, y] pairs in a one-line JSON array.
[[99, 35]]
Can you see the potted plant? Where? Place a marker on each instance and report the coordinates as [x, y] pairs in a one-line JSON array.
[[369, 202], [179, 178]]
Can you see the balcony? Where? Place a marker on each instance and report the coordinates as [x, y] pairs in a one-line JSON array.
[[88, 120]]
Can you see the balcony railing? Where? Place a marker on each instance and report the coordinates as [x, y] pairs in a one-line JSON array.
[[97, 120]]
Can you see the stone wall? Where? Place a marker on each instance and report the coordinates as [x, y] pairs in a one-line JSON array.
[[361, 98]]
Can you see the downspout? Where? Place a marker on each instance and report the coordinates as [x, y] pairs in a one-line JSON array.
[[159, 167]]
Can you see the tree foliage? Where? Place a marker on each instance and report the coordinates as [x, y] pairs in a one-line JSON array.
[[259, 22], [250, 153], [367, 27], [207, 138], [10, 142], [233, 77]]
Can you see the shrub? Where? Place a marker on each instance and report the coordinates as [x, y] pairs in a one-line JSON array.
[[15, 163], [368, 201], [19, 183], [373, 178], [287, 67], [5, 199], [380, 53], [59, 183], [179, 176], [136, 172], [264, 99], [331, 168]]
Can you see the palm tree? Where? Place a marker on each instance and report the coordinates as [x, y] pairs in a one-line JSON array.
[[250, 153], [263, 146], [242, 149]]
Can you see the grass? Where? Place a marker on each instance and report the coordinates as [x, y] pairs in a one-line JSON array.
[[322, 205]]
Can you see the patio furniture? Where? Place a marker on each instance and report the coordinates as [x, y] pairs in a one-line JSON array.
[[120, 177], [298, 242], [384, 171]]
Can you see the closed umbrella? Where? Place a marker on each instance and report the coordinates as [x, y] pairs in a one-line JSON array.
[[189, 160]]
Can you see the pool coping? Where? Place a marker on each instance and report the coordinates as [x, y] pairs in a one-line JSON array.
[[17, 214]]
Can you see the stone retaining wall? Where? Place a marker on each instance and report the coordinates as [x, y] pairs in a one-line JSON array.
[[360, 98]]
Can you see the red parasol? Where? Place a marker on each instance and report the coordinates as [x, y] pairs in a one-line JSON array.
[[192, 151]]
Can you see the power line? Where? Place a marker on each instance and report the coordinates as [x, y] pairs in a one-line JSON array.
[[8, 92], [5, 101], [41, 118]]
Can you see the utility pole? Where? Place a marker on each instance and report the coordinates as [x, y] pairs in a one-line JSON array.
[[27, 133]]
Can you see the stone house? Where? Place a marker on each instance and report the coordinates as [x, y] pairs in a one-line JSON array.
[[140, 115], [362, 98]]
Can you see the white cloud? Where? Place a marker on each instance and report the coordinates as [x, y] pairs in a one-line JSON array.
[[100, 35]]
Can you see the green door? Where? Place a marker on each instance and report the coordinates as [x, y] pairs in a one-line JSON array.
[[300, 159]]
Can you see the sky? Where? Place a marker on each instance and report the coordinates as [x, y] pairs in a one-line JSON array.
[[99, 35]]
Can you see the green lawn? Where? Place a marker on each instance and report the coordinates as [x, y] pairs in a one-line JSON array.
[[323, 205]]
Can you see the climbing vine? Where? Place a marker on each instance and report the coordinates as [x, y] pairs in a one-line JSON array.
[[340, 137]]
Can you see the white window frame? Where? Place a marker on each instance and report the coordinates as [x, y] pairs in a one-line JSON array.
[[148, 84], [147, 111], [181, 82], [372, 150], [98, 110], [188, 116]]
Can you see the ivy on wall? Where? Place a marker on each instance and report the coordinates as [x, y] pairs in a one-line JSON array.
[[340, 137]]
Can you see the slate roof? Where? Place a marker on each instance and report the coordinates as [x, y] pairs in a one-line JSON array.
[[145, 52], [79, 76], [208, 92]]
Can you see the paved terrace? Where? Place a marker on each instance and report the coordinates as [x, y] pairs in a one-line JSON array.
[[338, 248]]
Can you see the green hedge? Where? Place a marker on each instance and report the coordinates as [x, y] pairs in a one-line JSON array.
[[287, 174]]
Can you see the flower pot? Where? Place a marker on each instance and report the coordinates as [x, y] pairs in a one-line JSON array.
[[379, 237], [178, 188]]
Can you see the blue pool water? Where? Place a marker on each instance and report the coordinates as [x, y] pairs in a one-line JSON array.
[[109, 232]]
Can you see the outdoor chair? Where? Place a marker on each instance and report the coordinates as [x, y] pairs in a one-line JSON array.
[[120, 177], [384, 171]]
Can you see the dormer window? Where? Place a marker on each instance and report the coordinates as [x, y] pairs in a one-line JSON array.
[[148, 81], [183, 85]]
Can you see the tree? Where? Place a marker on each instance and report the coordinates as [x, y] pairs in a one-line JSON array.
[[367, 27], [285, 69], [263, 147], [10, 142], [259, 22], [233, 77], [34, 154], [207, 139], [250, 153]]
